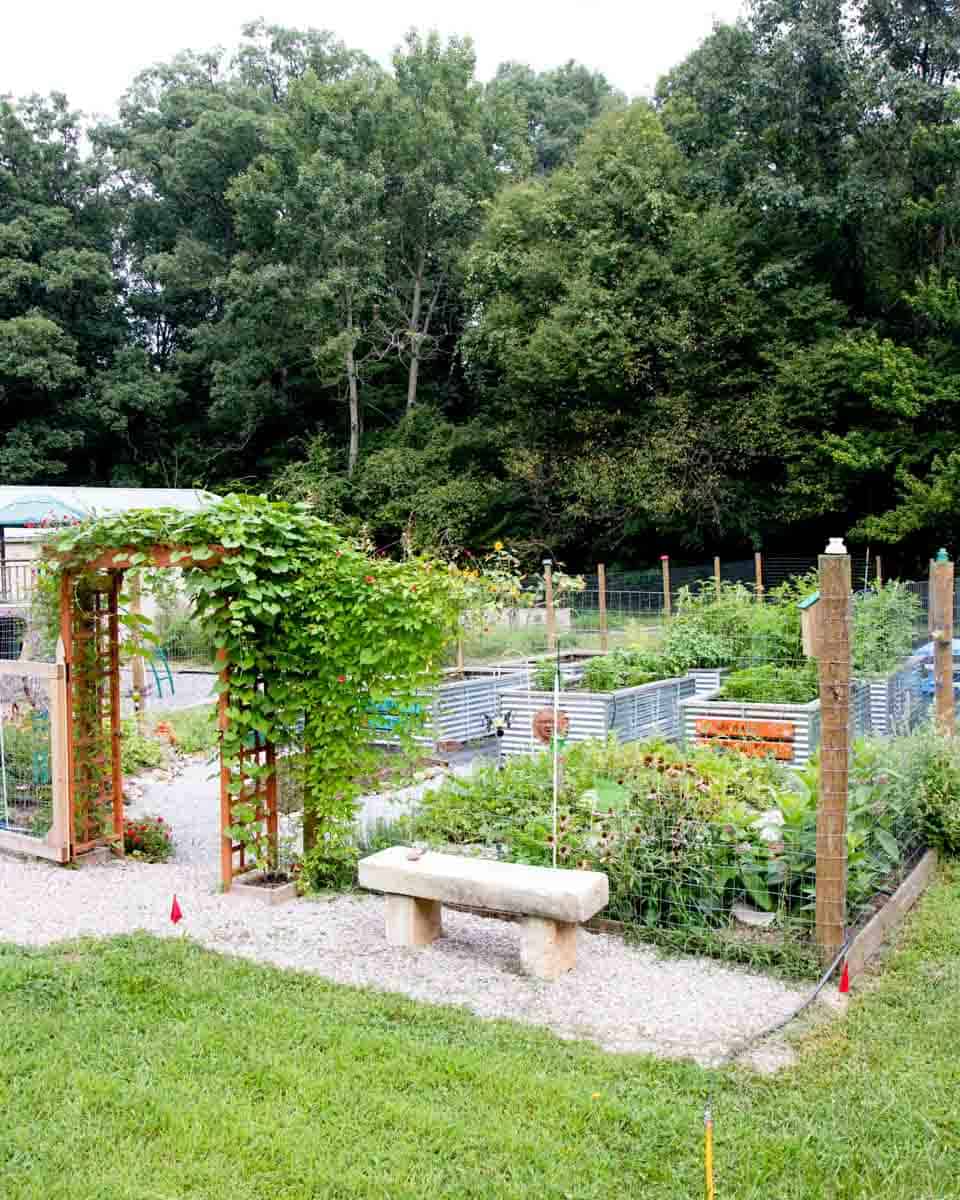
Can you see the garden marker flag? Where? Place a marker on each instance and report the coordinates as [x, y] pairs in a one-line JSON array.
[[175, 913]]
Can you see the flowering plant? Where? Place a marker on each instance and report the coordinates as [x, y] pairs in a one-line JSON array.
[[147, 838]]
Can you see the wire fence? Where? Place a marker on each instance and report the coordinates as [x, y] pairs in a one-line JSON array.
[[26, 757]]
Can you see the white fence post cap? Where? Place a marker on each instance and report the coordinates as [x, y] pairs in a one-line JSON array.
[[835, 546]]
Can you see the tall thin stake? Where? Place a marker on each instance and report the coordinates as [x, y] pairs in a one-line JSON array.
[[879, 571], [941, 601], [665, 564], [548, 600], [834, 666], [758, 573], [556, 753], [602, 593], [716, 573]]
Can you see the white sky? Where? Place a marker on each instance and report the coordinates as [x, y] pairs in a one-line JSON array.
[[91, 49]]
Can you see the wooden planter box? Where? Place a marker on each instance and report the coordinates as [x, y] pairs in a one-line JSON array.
[[788, 733], [894, 701], [631, 714]]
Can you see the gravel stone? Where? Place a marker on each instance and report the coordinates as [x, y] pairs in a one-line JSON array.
[[624, 998]]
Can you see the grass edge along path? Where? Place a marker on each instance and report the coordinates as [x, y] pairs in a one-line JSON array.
[[150, 1068]]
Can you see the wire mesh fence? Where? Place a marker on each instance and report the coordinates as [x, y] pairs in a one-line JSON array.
[[26, 754]]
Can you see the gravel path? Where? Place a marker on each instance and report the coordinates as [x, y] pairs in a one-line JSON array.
[[622, 997]]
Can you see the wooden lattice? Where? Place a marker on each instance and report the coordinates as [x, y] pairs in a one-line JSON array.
[[90, 633]]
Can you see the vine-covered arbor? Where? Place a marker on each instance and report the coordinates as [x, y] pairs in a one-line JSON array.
[[90, 636], [311, 628]]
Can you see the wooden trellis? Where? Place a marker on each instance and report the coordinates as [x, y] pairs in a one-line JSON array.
[[90, 633]]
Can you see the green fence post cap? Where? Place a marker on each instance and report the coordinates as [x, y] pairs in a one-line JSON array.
[[942, 556]]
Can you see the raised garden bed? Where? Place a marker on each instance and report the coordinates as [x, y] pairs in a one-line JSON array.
[[631, 714], [458, 710], [708, 679], [789, 733], [894, 701]]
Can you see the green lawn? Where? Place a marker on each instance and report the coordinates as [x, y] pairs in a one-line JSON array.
[[149, 1069]]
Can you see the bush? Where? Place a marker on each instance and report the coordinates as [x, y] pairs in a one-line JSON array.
[[332, 863], [137, 752], [772, 685], [148, 838], [938, 795]]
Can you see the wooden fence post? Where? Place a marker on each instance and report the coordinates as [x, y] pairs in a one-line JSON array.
[[716, 573], [602, 595], [548, 599], [879, 571], [941, 606], [665, 564], [834, 669], [758, 573]]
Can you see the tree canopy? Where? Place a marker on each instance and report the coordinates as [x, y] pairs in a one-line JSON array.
[[448, 310]]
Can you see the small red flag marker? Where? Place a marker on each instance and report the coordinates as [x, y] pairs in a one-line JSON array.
[[845, 980], [175, 913]]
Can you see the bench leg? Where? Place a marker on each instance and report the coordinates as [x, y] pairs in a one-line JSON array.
[[549, 948], [413, 922]]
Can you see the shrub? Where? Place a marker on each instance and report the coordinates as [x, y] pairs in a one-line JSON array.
[[331, 865], [137, 752], [607, 672], [147, 838], [771, 684]]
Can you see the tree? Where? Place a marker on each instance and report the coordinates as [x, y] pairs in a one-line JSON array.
[[439, 172], [59, 318]]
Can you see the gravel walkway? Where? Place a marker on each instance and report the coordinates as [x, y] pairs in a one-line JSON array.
[[622, 997]]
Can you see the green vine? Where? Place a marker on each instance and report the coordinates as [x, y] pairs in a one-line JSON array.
[[315, 630]]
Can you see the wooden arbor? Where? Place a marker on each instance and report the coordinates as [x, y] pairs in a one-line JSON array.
[[90, 633]]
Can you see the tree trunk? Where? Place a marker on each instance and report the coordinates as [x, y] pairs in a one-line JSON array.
[[353, 391], [414, 372]]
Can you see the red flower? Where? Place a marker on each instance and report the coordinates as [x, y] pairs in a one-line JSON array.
[[369, 579], [413, 587], [339, 554], [341, 679]]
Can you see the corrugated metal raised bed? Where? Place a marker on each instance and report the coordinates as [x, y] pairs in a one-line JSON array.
[[789, 733], [894, 700], [708, 679], [650, 710], [458, 710]]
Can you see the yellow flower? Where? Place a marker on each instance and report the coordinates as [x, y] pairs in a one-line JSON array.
[[498, 545]]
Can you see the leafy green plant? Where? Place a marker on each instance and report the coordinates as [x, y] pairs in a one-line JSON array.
[[331, 864], [772, 685], [885, 621], [314, 627], [147, 838], [138, 752]]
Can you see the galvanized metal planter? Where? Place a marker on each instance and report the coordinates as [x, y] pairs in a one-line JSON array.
[[894, 701], [458, 710], [707, 721], [650, 710], [708, 679], [789, 733]]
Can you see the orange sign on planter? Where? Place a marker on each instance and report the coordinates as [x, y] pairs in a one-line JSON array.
[[780, 731], [758, 739], [783, 751]]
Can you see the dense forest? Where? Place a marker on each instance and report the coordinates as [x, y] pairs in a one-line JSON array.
[[725, 316]]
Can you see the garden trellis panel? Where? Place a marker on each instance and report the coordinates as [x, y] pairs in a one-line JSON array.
[[89, 632], [34, 793]]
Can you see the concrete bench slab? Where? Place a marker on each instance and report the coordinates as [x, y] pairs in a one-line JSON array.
[[552, 901]]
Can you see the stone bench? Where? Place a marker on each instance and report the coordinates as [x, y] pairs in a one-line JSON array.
[[552, 902]]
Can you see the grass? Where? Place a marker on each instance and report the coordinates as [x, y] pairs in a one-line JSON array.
[[497, 641], [153, 1069], [195, 728]]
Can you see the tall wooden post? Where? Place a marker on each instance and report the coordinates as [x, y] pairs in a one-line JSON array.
[[665, 565], [136, 665], [548, 600], [941, 605], [758, 573], [602, 596], [716, 574], [879, 571], [834, 667]]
